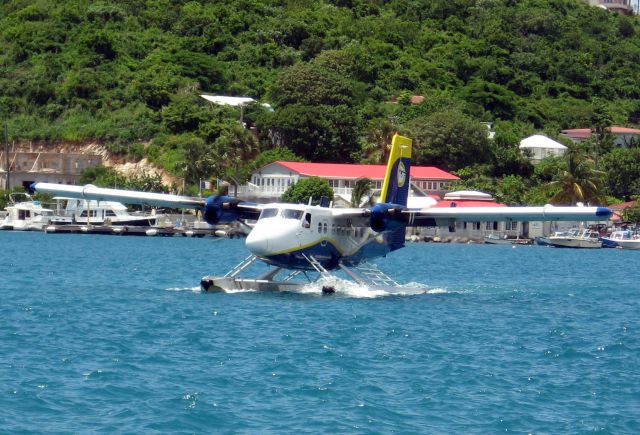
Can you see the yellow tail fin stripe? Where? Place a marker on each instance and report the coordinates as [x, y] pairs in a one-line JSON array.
[[400, 147]]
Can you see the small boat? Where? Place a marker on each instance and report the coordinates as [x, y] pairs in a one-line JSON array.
[[616, 236], [576, 239], [625, 239], [83, 212], [27, 215], [494, 239], [544, 241]]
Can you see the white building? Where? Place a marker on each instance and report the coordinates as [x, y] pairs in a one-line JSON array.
[[272, 180], [541, 146]]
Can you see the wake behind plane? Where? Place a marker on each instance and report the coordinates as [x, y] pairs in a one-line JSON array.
[[310, 241]]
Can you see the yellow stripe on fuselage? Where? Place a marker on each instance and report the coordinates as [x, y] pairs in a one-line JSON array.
[[320, 240]]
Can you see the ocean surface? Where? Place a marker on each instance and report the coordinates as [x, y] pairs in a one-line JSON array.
[[111, 334]]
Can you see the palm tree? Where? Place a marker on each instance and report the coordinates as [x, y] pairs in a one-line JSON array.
[[378, 141], [580, 181], [361, 188]]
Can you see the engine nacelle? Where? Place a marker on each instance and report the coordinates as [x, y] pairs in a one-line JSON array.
[[221, 209], [386, 217]]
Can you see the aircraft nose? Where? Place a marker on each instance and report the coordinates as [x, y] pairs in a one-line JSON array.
[[257, 243]]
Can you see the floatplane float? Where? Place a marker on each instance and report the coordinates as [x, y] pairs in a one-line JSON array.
[[315, 241]]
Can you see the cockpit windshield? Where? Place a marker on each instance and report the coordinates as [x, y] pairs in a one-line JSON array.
[[292, 214], [286, 213], [268, 212]]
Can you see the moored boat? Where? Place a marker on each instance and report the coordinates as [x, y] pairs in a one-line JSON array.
[[494, 239], [612, 241], [576, 239], [83, 212], [26, 215]]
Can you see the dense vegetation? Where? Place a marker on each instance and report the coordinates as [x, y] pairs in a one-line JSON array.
[[128, 73]]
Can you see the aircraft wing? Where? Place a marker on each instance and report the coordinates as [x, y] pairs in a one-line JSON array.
[[430, 216], [92, 192]]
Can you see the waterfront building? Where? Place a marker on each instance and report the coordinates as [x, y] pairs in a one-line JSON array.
[[271, 181]]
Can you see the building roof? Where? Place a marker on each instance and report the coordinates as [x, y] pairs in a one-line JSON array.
[[540, 141], [374, 172], [468, 198], [227, 101], [466, 203], [623, 206], [583, 133]]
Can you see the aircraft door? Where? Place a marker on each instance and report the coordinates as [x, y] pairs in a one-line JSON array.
[[304, 228]]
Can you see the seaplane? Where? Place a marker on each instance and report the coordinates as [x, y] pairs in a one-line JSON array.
[[303, 243]]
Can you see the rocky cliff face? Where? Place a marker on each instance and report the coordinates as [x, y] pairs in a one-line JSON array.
[[119, 163]]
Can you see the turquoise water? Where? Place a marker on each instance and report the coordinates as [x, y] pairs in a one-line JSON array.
[[110, 334]]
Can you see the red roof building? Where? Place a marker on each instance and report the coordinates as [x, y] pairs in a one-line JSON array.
[[622, 135], [618, 209], [275, 178]]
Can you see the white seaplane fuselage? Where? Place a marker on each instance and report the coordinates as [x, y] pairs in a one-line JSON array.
[[286, 233]]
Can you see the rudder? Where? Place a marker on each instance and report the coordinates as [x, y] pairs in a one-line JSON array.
[[395, 187]]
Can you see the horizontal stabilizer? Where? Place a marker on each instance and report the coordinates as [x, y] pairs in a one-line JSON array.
[[125, 196]]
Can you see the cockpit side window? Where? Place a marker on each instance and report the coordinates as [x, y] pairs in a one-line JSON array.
[[268, 212], [307, 220]]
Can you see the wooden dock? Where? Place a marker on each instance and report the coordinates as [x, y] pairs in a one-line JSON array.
[[137, 231]]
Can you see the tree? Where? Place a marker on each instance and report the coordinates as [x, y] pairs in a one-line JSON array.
[[315, 115], [312, 187], [632, 213], [449, 140], [580, 181], [361, 188], [235, 146], [512, 190], [622, 169], [316, 133]]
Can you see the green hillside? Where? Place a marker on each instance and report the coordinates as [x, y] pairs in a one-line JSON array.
[[128, 73]]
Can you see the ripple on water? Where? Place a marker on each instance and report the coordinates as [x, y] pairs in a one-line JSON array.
[[125, 342]]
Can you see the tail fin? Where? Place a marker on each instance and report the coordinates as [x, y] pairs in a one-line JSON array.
[[395, 188]]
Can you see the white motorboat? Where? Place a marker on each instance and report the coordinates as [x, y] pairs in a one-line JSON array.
[[576, 239], [629, 244], [26, 215], [616, 236], [83, 212], [625, 239]]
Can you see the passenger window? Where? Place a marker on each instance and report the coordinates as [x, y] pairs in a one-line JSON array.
[[319, 227], [325, 226]]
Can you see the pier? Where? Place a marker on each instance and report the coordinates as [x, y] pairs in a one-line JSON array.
[[142, 231]]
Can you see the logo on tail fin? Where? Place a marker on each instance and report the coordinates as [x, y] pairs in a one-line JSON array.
[[402, 174], [395, 188]]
